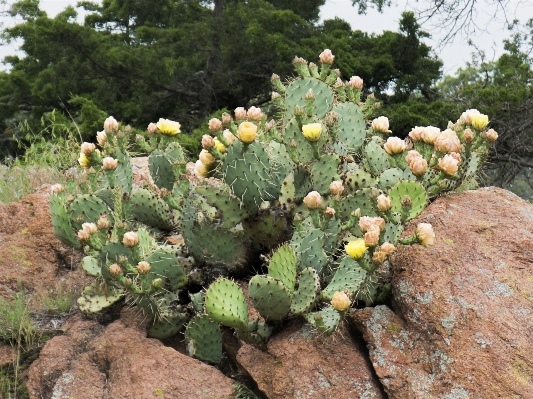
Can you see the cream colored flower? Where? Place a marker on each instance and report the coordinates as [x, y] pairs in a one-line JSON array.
[[412, 154], [115, 270], [101, 138], [130, 239], [418, 166], [152, 128], [103, 223], [240, 113], [448, 142], [379, 257], [109, 163], [57, 188], [313, 200], [206, 158], [395, 145], [143, 267], [312, 131], [91, 228], [372, 236], [247, 132], [381, 125], [468, 136], [200, 169], [228, 136], [491, 135], [329, 212], [226, 118], [356, 249], [254, 114], [416, 133], [387, 247], [430, 134], [168, 127], [449, 165], [425, 234], [480, 121], [340, 301], [466, 117], [367, 222]]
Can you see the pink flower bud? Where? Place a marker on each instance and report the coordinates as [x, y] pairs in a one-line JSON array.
[[448, 165], [384, 203], [152, 128], [87, 148], [366, 223], [206, 158], [240, 113], [356, 82], [103, 223], [110, 125], [340, 301], [115, 270], [226, 118], [379, 257], [381, 125], [387, 248], [91, 228], [271, 124], [255, 114], [448, 142], [418, 166], [336, 187], [109, 163], [101, 138], [425, 234], [143, 267], [395, 145], [416, 133], [326, 57], [207, 142], [466, 117], [313, 200], [215, 125], [130, 239], [491, 135], [200, 169], [329, 212], [412, 155], [456, 156], [372, 236], [84, 235], [468, 136], [57, 188]]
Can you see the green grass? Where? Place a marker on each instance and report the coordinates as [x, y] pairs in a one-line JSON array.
[[57, 302]]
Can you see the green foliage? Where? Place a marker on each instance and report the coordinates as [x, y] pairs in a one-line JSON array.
[[16, 324]]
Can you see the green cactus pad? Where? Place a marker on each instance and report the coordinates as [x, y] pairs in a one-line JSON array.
[[326, 320], [228, 205], [270, 296], [282, 266], [305, 297], [303, 150], [123, 172], [348, 277], [309, 249], [204, 339], [247, 170], [295, 95], [389, 178], [94, 298], [61, 222], [150, 210], [415, 191], [351, 127], [369, 290], [392, 233], [360, 199], [90, 266], [107, 195], [225, 304], [376, 158], [288, 192], [279, 158], [175, 153], [86, 208], [268, 228], [324, 171], [161, 170], [147, 243], [331, 234], [110, 254], [197, 301], [168, 326], [166, 266], [358, 179]]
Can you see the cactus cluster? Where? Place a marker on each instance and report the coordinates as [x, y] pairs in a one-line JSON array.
[[319, 192]]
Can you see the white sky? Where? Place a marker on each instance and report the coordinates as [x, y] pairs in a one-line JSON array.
[[454, 55]]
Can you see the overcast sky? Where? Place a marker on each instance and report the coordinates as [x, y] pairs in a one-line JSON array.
[[454, 55]]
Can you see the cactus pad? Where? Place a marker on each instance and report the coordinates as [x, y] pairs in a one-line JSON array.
[[390, 177], [415, 191], [94, 298], [282, 266], [326, 320], [348, 277], [305, 297], [324, 171], [204, 339], [225, 304], [151, 210], [376, 158], [161, 170], [90, 266], [351, 127], [86, 208], [270, 296], [166, 266], [295, 95], [61, 222]]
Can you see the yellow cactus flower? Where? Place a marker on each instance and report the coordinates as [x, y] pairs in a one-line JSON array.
[[84, 160], [356, 249], [480, 121], [168, 127], [219, 146], [340, 301], [312, 131], [247, 132]]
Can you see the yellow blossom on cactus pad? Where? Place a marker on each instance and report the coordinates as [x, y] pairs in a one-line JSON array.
[[247, 132], [312, 131], [480, 121], [168, 127], [356, 249], [84, 160], [219, 146]]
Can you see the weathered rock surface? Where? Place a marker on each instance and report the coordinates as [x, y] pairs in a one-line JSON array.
[[118, 362], [300, 363], [463, 326], [31, 256]]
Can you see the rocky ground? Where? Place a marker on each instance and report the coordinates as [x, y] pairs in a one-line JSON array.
[[460, 325]]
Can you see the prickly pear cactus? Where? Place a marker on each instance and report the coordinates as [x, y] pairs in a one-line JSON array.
[[318, 196]]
